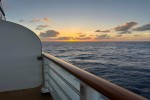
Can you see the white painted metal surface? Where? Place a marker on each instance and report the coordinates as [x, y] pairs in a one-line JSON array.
[[19, 49], [88, 93]]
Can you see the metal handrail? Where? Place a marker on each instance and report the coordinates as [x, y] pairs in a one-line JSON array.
[[105, 87]]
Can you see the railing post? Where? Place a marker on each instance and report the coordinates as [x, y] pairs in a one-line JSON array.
[[0, 16], [87, 93], [45, 88]]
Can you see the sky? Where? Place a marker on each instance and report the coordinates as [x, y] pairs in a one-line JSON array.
[[82, 20]]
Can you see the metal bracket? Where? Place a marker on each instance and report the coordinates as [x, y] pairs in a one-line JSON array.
[[40, 58], [45, 90]]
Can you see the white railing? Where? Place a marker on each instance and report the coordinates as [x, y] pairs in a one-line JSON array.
[[67, 82]]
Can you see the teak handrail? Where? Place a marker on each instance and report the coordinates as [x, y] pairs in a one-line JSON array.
[[105, 87]]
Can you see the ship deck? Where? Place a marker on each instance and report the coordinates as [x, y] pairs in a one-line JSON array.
[[25, 94]]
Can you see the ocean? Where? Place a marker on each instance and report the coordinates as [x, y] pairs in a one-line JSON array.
[[126, 64]]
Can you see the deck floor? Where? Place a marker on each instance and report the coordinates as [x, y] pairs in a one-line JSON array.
[[26, 94]]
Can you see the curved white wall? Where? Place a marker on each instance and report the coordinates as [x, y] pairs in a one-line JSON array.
[[19, 49]]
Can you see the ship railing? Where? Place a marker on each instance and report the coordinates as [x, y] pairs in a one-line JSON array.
[[2, 14], [67, 82]]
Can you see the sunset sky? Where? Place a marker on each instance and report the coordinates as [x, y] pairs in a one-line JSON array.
[[82, 20]]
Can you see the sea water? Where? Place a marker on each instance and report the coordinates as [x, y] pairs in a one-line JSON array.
[[124, 63]]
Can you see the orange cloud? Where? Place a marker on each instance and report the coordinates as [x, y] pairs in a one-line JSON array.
[[45, 19]]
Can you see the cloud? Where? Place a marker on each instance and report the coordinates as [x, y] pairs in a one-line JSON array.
[[64, 38], [21, 20], [104, 31], [35, 20], [145, 27], [82, 38], [126, 27], [71, 38], [120, 35], [45, 19], [103, 36], [81, 34], [40, 27], [49, 33], [136, 35], [125, 32]]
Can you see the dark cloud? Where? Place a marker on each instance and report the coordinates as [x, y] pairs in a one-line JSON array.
[[49, 33], [82, 34], [21, 20], [103, 36], [83, 38], [125, 32], [123, 29], [46, 19], [69, 38], [120, 35], [64, 38], [59, 38], [104, 31], [137, 35], [145, 27], [40, 27]]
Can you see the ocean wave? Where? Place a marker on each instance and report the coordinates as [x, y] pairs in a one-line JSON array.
[[126, 64]]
